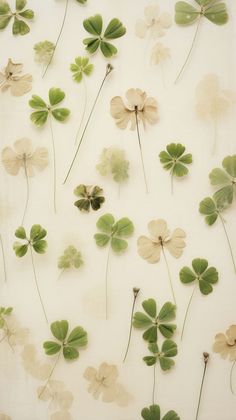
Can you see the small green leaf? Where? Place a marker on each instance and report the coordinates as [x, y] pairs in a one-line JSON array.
[[229, 164], [171, 415], [93, 25], [141, 320], [105, 223], [39, 118], [101, 239], [217, 14], [150, 307], [77, 337], [60, 329], [118, 245], [37, 232], [167, 312], [208, 208], [186, 275], [70, 353], [166, 363], [37, 103], [27, 14], [20, 4], [115, 29], [150, 360], [40, 246], [61, 114], [108, 49], [167, 330], [151, 413], [20, 250], [20, 27], [4, 20], [185, 13], [56, 96], [205, 287], [150, 334], [4, 8], [92, 44], [51, 347], [124, 227], [199, 265], [20, 233]]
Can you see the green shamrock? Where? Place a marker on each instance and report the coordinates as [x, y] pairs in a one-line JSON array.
[[112, 161], [19, 27], [112, 232], [175, 161], [154, 413], [186, 14], [67, 344], [225, 179], [151, 321], [80, 68], [94, 25], [70, 259], [163, 356], [40, 116], [91, 196], [206, 276]]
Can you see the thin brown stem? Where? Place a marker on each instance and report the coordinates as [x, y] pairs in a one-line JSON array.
[[228, 241], [186, 313], [140, 149], [154, 384], [206, 358], [231, 377], [135, 294], [50, 375], [54, 166], [27, 191], [106, 280], [3, 259], [169, 275], [36, 283], [84, 109]]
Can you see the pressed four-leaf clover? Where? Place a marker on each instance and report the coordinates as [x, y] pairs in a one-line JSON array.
[[163, 355], [21, 14], [90, 196], [113, 232], [206, 276], [80, 68], [70, 259], [152, 321], [211, 209], [66, 343], [154, 413], [94, 26], [225, 179]]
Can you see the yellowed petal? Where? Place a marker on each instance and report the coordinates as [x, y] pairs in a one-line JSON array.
[[136, 98], [13, 68], [141, 28], [61, 415], [158, 229], [159, 53], [122, 396], [165, 20], [151, 13], [149, 250], [122, 115], [109, 394], [150, 110], [10, 161], [176, 243], [90, 373], [22, 85], [23, 146]]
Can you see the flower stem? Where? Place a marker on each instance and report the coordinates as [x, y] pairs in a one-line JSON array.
[[140, 148], [58, 38], [231, 377], [172, 182], [169, 275], [154, 384], [50, 375], [27, 191], [3, 259], [54, 166], [229, 244], [186, 313], [106, 281], [36, 283], [190, 51], [109, 68], [84, 109], [135, 293], [206, 358]]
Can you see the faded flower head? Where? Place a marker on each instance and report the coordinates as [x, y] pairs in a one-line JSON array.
[[16, 335], [153, 21], [23, 156], [44, 51], [103, 382], [150, 248], [159, 53], [12, 78], [138, 105], [211, 100], [71, 258], [32, 365], [225, 344], [112, 161], [56, 393]]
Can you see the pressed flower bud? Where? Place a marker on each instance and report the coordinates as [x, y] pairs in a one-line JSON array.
[[136, 291]]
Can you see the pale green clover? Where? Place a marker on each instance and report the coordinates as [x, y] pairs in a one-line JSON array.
[[154, 413], [214, 11], [80, 68], [200, 272], [4, 312], [211, 209], [21, 14], [163, 355], [225, 179], [112, 161], [44, 51], [89, 196], [113, 232], [67, 344], [151, 321], [40, 116], [35, 239], [174, 159], [70, 259], [94, 26]]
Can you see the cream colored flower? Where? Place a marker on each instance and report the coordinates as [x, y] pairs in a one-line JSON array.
[[15, 334], [12, 78], [33, 366], [103, 382], [24, 157], [159, 53], [57, 395], [61, 415], [211, 100], [137, 103], [225, 344], [4, 417], [150, 248], [153, 21]]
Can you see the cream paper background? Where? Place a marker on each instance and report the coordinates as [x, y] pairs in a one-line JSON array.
[[78, 296]]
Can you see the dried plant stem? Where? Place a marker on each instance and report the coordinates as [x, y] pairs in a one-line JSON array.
[[186, 313], [108, 70], [36, 283], [154, 384], [27, 191], [50, 375], [135, 292], [172, 182], [231, 377], [58, 38], [206, 358], [106, 281], [54, 167], [228, 241], [169, 275], [140, 148], [3, 338], [3, 259], [61, 274], [190, 51], [84, 109], [7, 336]]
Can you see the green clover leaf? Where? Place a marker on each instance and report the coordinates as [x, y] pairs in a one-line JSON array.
[[91, 197], [80, 68], [19, 27], [174, 160], [112, 161], [186, 14], [70, 259], [154, 413], [211, 209], [35, 239], [226, 180], [94, 25], [113, 232], [206, 276], [39, 117], [151, 322], [67, 344], [163, 356]]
